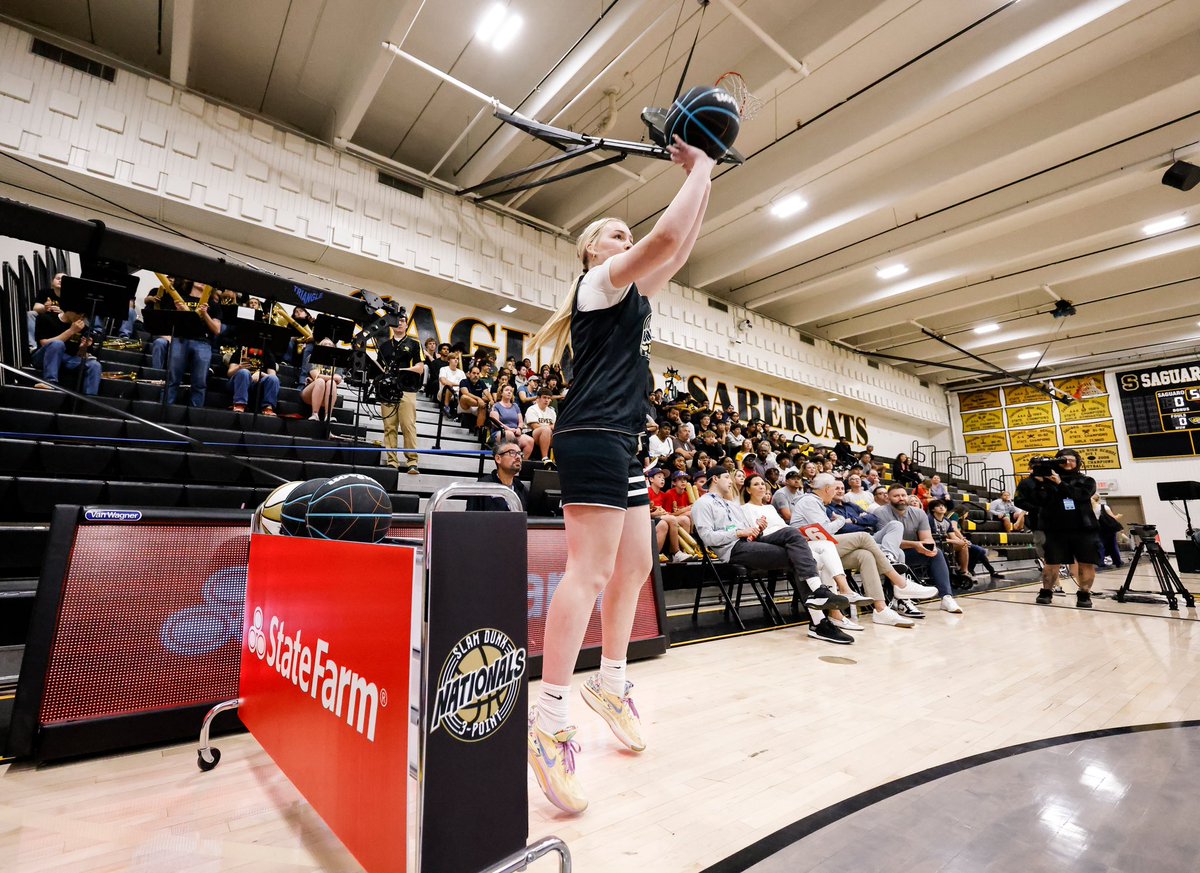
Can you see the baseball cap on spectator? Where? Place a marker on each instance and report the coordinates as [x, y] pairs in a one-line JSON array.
[[650, 474], [793, 473], [678, 474], [700, 475]]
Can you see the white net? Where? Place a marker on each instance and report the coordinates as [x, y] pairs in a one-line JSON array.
[[748, 105]]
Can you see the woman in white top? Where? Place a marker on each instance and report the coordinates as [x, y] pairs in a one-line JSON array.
[[449, 378], [758, 505]]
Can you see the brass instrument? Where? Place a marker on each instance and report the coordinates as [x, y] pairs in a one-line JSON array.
[[280, 316], [167, 286]]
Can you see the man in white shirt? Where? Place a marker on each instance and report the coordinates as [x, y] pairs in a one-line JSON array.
[[659, 445]]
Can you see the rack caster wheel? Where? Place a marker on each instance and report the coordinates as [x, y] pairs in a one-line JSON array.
[[204, 763]]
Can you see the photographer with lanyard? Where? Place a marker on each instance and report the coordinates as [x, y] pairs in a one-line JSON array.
[[605, 322], [1062, 500]]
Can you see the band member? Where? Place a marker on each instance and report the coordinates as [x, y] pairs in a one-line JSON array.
[[194, 355], [321, 390], [605, 319], [250, 365], [401, 354]]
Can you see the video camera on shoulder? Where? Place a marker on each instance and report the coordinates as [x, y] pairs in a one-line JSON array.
[[1044, 465]]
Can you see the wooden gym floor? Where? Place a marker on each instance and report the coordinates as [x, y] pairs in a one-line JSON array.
[[746, 736]]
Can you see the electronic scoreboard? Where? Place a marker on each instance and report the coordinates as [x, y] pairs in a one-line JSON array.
[[1162, 410]]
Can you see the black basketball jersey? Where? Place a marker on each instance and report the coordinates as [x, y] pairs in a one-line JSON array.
[[611, 362]]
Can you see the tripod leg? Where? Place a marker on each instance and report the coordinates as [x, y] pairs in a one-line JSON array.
[[1174, 583], [1124, 589]]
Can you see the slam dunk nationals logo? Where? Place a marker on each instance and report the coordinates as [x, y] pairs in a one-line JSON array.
[[478, 686]]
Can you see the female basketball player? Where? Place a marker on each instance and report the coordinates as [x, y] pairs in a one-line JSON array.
[[606, 322]]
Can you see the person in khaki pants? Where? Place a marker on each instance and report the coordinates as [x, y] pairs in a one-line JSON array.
[[402, 354]]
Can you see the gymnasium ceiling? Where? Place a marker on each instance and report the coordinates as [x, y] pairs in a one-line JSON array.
[[1007, 152]]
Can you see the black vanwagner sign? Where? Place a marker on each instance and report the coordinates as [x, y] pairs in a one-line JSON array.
[[476, 808], [1161, 406]]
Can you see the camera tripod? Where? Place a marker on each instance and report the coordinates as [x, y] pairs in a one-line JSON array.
[[1168, 579]]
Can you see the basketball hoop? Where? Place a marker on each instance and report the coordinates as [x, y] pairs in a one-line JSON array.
[[748, 105]]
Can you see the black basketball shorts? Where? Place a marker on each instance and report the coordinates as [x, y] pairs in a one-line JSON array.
[[600, 468], [1067, 547]]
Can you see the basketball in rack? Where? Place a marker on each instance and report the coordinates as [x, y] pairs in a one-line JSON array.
[[748, 105]]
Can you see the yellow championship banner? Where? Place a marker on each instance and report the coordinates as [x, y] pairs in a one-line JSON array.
[[1086, 434], [1016, 394], [972, 400], [1100, 457], [992, 419], [1021, 459], [1037, 438], [985, 443], [1027, 416], [1082, 410], [1092, 382]]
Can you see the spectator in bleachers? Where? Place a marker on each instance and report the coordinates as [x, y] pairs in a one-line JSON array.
[[450, 377], [905, 471], [299, 350], [541, 418], [474, 398], [194, 355], [528, 393], [659, 445], [937, 489], [507, 456], [429, 357], [656, 482], [881, 496], [249, 365], [433, 371], [772, 477], [41, 299], [1004, 510], [507, 421], [921, 492], [871, 480], [321, 390], [844, 454], [739, 482], [857, 495], [678, 499], [784, 500], [727, 531], [857, 519], [919, 549], [950, 538], [557, 390], [64, 340]]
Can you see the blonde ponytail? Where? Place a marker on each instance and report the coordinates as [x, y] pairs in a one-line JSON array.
[[557, 331]]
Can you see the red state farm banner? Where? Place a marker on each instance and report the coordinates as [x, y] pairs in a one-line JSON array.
[[324, 682]]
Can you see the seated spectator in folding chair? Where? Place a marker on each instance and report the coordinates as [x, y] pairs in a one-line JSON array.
[[657, 479], [507, 456], [757, 506], [1003, 509], [949, 538], [541, 419], [321, 390], [449, 378], [474, 398], [917, 544], [253, 366], [859, 548], [937, 488], [194, 355], [64, 340], [507, 421], [725, 530]]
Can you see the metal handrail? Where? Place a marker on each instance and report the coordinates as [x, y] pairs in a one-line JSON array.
[[523, 858], [956, 466], [993, 480], [975, 468], [938, 453], [457, 489], [918, 452]]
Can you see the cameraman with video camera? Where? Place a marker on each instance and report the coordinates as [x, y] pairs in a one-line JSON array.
[[1061, 501]]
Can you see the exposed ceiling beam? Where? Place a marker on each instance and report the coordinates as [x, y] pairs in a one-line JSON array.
[[183, 20], [352, 106]]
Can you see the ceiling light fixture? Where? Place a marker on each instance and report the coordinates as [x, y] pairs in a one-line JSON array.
[[891, 272], [789, 206], [1166, 224], [831, 400], [990, 327], [1025, 356], [508, 308], [499, 27]]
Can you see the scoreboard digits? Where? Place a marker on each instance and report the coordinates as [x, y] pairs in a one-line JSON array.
[[1161, 407]]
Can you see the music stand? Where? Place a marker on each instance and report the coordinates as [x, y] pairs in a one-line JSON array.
[[174, 323], [259, 334], [339, 359], [340, 330], [105, 299]]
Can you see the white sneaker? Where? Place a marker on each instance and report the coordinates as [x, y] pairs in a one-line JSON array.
[[891, 617], [913, 591], [854, 597], [847, 624], [949, 604], [680, 557]]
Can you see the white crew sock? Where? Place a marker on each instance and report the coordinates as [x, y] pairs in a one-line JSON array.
[[814, 582], [612, 676], [554, 707], [816, 616]]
